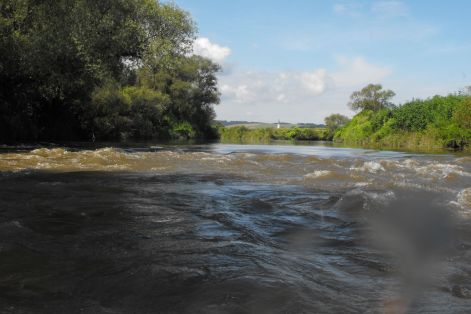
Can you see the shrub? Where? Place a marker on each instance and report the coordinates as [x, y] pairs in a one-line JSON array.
[[109, 112], [146, 114], [412, 116], [439, 121], [183, 130], [462, 114]]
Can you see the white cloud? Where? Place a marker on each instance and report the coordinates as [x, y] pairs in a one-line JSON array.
[[205, 48], [315, 82], [295, 96], [239, 93], [254, 86]]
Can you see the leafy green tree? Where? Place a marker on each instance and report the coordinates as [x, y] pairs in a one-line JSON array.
[[147, 112], [191, 87], [109, 112], [335, 121], [64, 49], [64, 64], [372, 97]]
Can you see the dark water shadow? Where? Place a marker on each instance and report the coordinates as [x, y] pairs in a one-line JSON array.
[[133, 242], [102, 242]]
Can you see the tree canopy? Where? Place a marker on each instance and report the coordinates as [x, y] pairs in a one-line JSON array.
[[336, 120], [371, 97], [117, 68]]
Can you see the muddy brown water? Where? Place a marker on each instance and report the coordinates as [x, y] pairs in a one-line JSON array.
[[233, 229]]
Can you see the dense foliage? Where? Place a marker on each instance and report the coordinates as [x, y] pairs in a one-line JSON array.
[[242, 134], [440, 121], [335, 121], [114, 69], [371, 97]]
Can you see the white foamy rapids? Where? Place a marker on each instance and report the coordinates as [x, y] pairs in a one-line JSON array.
[[318, 174], [369, 166], [430, 169], [442, 170], [447, 175], [59, 159], [45, 152]]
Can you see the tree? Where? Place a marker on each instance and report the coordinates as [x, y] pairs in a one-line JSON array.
[[335, 121], [371, 97], [57, 57], [191, 87]]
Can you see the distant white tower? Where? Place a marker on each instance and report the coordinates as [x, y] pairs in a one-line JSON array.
[[278, 125]]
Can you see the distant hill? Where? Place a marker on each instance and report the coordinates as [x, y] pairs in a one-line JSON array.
[[229, 123], [310, 125]]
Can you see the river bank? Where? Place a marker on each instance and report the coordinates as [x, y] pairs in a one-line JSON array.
[[433, 123]]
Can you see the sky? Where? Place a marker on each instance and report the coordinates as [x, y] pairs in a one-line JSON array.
[[299, 60]]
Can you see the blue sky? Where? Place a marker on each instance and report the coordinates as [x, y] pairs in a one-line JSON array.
[[299, 60]]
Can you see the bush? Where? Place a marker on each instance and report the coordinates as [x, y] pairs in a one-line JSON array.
[[358, 130], [183, 130], [300, 134], [412, 116], [435, 122], [380, 118], [146, 112], [462, 114], [109, 111]]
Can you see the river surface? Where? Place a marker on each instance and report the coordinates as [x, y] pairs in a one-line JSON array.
[[233, 229]]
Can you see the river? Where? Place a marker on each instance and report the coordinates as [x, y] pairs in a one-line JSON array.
[[233, 229]]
